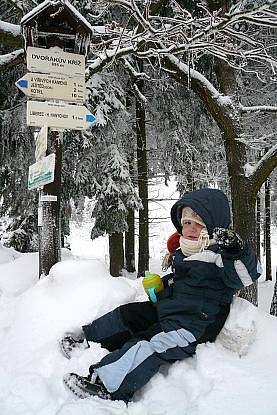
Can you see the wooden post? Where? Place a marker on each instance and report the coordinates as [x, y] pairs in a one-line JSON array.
[[55, 24], [49, 212]]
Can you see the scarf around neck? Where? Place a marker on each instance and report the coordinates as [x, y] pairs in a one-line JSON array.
[[189, 247]]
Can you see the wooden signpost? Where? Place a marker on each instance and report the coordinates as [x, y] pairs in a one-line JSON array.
[[56, 44]]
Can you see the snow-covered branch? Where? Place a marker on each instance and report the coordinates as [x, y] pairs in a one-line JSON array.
[[133, 72], [263, 21], [172, 64], [221, 106], [106, 57], [12, 59], [222, 36], [263, 168], [10, 34], [153, 35], [177, 42], [258, 108], [139, 95], [10, 28], [132, 7]]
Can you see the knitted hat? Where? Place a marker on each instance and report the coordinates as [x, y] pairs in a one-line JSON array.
[[189, 214]]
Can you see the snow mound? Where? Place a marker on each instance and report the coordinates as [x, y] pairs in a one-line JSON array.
[[240, 329], [74, 294], [66, 254], [19, 274], [213, 382], [86, 290], [7, 254]]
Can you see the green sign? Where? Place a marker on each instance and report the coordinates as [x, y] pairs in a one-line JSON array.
[[42, 172]]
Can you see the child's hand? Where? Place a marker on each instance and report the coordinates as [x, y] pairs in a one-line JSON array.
[[228, 239]]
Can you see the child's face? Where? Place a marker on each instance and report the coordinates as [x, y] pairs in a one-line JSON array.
[[191, 230]]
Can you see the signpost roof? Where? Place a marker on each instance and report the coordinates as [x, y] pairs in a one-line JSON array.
[[50, 4]]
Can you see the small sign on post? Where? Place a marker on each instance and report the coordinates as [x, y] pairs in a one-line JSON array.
[[42, 172]]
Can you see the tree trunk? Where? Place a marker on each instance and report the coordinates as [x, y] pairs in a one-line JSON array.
[[190, 166], [130, 242], [267, 236], [243, 196], [228, 117], [116, 252], [244, 212], [142, 166], [258, 226], [273, 307], [130, 234], [49, 220]]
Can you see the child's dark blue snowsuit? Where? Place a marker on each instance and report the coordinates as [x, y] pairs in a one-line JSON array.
[[192, 308]]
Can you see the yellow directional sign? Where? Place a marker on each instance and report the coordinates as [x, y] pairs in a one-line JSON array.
[[73, 117], [44, 86]]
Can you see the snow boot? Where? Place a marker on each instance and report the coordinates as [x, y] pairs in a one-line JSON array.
[[84, 387], [69, 344]]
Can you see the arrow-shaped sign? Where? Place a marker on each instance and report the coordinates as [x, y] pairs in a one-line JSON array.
[[22, 83], [44, 86], [73, 117]]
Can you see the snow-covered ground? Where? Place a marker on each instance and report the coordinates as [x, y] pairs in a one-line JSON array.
[[236, 375]]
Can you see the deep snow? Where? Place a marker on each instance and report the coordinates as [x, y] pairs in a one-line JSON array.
[[37, 313], [236, 375]]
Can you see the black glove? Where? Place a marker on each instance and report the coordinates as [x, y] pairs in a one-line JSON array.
[[228, 240]]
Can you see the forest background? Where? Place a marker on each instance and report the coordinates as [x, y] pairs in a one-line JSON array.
[[179, 89]]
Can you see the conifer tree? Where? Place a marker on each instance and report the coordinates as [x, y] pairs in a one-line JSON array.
[[114, 193]]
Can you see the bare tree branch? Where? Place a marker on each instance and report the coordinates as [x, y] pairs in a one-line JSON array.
[[222, 107], [258, 108], [263, 168], [212, 34]]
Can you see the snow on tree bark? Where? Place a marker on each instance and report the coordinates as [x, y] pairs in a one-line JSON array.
[[49, 238]]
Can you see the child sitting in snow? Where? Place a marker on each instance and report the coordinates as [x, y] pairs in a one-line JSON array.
[[211, 264]]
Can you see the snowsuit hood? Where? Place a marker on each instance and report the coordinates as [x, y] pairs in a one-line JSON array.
[[210, 204]]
